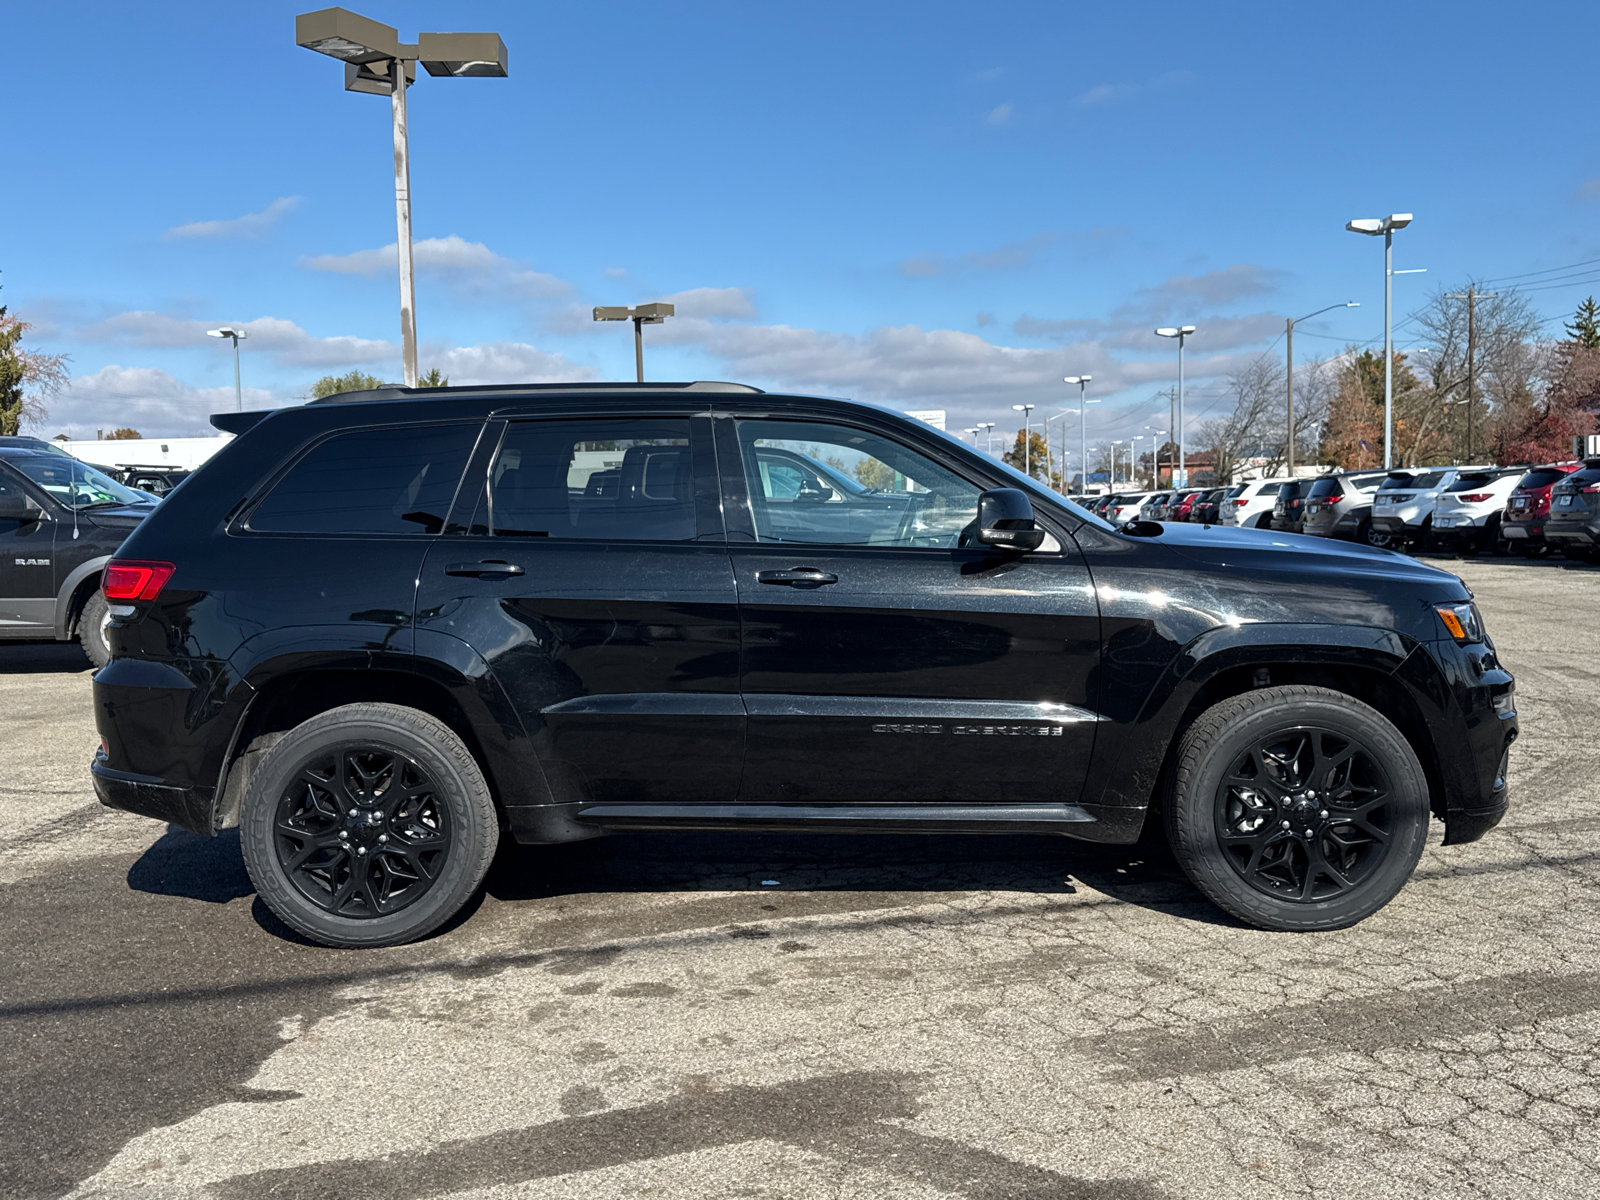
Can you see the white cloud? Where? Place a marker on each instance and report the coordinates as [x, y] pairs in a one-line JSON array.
[[616, 272], [251, 225], [143, 398], [1221, 286], [1106, 93], [287, 343], [732, 302], [470, 268], [503, 362], [1589, 189], [999, 114]]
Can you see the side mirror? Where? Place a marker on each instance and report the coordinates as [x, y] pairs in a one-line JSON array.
[[16, 506], [1005, 519]]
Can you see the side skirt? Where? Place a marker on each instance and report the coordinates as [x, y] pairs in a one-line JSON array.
[[1067, 819]]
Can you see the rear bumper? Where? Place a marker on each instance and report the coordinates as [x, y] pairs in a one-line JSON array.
[[1522, 531], [1582, 533], [1397, 527], [150, 797]]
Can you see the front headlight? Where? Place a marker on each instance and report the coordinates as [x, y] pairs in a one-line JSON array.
[[1463, 621]]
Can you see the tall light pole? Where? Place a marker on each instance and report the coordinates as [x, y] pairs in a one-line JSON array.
[[1062, 417], [1181, 332], [1289, 334], [1155, 455], [1116, 456], [1025, 410], [974, 431], [642, 315], [1083, 426], [376, 61], [988, 437], [1372, 227], [1133, 455], [235, 334]]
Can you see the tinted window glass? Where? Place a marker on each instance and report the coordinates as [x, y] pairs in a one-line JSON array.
[[1397, 483], [602, 480], [1471, 483], [836, 485], [1578, 480], [1541, 478], [371, 481], [73, 484], [1428, 479], [1326, 487]]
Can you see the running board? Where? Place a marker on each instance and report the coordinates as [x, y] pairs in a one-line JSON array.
[[842, 818]]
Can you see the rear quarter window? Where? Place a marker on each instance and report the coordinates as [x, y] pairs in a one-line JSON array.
[[1326, 487], [395, 480]]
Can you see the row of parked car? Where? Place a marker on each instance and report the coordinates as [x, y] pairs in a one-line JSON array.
[[1529, 510]]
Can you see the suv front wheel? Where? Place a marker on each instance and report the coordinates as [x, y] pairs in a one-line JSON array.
[[1297, 808], [368, 825]]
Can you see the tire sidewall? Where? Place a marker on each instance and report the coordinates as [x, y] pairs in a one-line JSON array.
[[474, 828], [92, 628], [1192, 819]]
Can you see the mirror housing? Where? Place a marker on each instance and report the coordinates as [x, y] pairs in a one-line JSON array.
[[1005, 520], [18, 506]]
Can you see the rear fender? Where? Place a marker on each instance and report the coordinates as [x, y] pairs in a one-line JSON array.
[[66, 612]]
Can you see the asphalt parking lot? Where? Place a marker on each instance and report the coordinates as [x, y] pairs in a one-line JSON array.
[[993, 1018]]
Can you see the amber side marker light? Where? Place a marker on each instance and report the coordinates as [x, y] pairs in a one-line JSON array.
[[135, 579], [1462, 621]]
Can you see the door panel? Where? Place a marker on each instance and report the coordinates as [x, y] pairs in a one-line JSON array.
[[27, 569], [617, 637], [914, 671]]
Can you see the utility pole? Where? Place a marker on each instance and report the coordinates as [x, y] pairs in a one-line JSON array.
[[1471, 296]]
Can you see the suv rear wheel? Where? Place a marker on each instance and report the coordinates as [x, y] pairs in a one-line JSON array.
[[1297, 808], [368, 825]]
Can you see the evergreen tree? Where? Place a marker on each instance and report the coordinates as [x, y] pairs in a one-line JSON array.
[[334, 385], [1584, 328]]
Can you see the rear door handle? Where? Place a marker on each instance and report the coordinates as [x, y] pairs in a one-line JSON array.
[[479, 569], [797, 575]]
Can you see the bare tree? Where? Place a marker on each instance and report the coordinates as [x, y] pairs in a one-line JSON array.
[[1255, 427]]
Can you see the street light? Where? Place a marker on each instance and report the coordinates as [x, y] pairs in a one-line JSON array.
[[1133, 456], [1372, 227], [1180, 333], [1289, 333], [1155, 455], [235, 334], [1115, 455], [1083, 426], [1061, 416], [1025, 410], [988, 436], [644, 314], [374, 60]]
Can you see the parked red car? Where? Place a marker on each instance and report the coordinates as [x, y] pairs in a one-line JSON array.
[[1183, 507], [1522, 526]]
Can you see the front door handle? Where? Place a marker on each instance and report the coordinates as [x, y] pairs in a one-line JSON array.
[[804, 576], [478, 570]]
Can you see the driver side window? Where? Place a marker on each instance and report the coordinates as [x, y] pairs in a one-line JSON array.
[[816, 483]]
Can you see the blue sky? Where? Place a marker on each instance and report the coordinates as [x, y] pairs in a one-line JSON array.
[[926, 205]]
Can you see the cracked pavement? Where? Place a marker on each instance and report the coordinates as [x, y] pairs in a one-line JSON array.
[[998, 1018]]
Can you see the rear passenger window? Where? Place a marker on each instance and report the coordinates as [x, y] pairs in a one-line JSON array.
[[391, 480], [604, 480]]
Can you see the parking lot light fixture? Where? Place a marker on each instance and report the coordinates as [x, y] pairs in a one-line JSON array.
[[641, 315], [228, 331], [1083, 426], [1025, 410], [1289, 375], [377, 62], [1372, 227], [1180, 332], [988, 436]]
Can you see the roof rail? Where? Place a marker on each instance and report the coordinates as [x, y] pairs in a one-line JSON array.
[[396, 392]]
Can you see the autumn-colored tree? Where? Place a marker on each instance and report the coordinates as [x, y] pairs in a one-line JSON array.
[[1035, 460], [25, 377], [1532, 428], [1353, 437], [123, 435]]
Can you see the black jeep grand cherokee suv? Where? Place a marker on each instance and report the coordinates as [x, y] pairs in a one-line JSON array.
[[380, 631]]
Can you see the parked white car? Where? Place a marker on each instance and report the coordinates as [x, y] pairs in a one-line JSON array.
[[1125, 506], [1404, 504], [1466, 518], [1249, 505]]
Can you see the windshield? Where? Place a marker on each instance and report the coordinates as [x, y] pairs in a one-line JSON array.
[[74, 484]]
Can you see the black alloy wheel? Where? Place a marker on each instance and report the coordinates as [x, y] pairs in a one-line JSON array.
[[1296, 808], [361, 831], [1303, 814], [368, 825]]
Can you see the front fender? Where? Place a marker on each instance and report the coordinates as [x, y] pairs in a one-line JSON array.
[[1128, 758]]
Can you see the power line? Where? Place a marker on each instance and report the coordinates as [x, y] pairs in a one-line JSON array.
[[1547, 271]]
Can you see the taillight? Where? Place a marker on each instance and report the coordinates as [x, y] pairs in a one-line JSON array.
[[135, 579], [1477, 497], [1240, 503], [1592, 490]]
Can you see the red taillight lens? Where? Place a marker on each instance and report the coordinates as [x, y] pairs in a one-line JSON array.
[[1477, 497], [1241, 503], [1592, 490], [134, 579]]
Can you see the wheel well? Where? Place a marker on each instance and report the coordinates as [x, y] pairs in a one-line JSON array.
[[1370, 687], [289, 700], [87, 586]]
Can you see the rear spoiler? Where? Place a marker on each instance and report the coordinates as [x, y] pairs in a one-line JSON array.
[[238, 422]]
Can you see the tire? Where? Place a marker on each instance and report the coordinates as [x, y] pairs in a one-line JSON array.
[[1264, 521], [92, 628], [1226, 778], [1368, 536], [297, 831], [1536, 550]]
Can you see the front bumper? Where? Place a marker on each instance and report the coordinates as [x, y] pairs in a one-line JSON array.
[[1473, 743]]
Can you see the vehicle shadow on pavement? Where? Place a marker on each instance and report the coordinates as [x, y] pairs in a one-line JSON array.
[[196, 868], [44, 658]]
